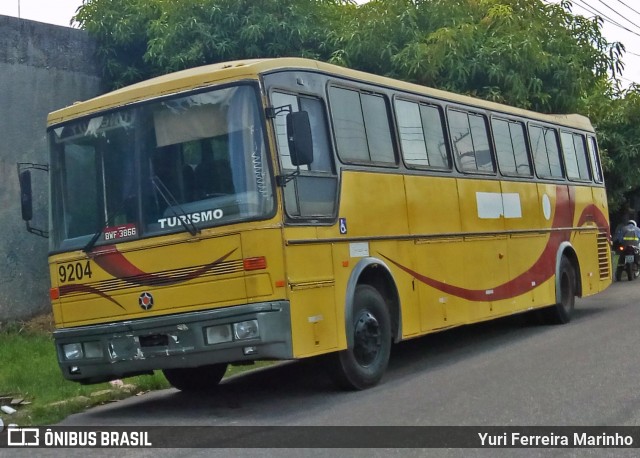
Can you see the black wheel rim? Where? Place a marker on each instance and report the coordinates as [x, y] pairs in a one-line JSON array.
[[367, 339]]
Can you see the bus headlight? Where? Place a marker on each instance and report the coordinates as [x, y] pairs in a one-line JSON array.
[[246, 330], [219, 334], [72, 351], [92, 349], [75, 351]]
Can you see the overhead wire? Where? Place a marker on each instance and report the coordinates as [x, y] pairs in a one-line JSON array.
[[633, 24], [591, 9], [584, 5], [635, 11]]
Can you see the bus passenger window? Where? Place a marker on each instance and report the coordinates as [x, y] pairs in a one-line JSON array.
[[546, 154], [592, 146], [511, 150], [421, 135], [575, 156], [376, 122], [361, 125], [470, 141], [414, 148], [433, 126], [581, 155]]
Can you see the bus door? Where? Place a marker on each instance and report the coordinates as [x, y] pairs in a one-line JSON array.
[[310, 196]]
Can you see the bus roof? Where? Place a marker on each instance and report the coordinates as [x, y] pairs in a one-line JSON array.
[[207, 75]]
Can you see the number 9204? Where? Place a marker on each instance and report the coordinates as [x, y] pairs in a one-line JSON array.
[[74, 271]]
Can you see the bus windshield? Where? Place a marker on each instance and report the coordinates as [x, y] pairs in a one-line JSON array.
[[181, 163]]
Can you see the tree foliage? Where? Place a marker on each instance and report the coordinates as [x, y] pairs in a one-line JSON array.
[[143, 38], [525, 53], [616, 117], [521, 52]]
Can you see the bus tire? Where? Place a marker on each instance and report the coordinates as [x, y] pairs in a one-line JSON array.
[[561, 312], [191, 379], [362, 365]]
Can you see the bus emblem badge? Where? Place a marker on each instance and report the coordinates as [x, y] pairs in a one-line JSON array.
[[145, 301]]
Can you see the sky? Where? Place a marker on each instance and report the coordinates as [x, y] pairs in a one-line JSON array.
[[622, 21]]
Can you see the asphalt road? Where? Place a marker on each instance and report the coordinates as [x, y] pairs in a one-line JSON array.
[[508, 372]]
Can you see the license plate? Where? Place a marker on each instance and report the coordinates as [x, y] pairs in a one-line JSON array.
[[629, 259]]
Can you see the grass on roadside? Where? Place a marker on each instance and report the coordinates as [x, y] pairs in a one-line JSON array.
[[29, 370]]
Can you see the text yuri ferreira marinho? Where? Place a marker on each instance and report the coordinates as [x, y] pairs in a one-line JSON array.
[[576, 439]]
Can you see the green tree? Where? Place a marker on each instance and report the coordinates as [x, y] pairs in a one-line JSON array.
[[121, 30], [521, 52], [616, 116], [138, 39]]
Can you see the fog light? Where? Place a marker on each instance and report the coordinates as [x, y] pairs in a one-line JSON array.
[[92, 349], [72, 351], [219, 334], [250, 350], [246, 329], [75, 370]]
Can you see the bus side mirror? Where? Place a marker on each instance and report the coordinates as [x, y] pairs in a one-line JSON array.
[[26, 196], [299, 136]]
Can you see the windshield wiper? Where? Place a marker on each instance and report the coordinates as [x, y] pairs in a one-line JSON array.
[[173, 204]]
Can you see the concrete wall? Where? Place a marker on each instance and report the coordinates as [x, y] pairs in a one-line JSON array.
[[43, 67]]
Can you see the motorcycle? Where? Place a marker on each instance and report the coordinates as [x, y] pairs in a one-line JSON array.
[[628, 256]]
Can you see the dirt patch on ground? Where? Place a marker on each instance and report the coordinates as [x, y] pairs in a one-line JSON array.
[[43, 322], [40, 323]]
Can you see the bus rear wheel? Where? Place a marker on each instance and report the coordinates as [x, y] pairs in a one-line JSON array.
[[190, 379], [362, 364], [561, 312]]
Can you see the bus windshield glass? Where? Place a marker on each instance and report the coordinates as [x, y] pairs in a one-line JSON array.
[[179, 164]]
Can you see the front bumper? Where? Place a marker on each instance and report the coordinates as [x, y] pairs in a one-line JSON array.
[[140, 346]]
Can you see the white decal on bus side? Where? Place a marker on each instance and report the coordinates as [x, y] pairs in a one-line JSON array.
[[546, 207], [493, 205], [359, 249]]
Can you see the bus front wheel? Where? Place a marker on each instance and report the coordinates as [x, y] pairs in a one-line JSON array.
[[195, 378], [362, 364]]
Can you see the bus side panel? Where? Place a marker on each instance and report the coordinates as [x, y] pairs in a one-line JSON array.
[[485, 263], [310, 280], [373, 205], [524, 246], [432, 208], [585, 242], [604, 255]]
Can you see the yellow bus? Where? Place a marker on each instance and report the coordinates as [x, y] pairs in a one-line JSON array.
[[279, 209]]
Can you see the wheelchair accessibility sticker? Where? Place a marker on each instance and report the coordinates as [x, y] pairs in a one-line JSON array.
[[343, 225]]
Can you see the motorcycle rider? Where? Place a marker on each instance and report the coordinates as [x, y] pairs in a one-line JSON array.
[[629, 234]]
